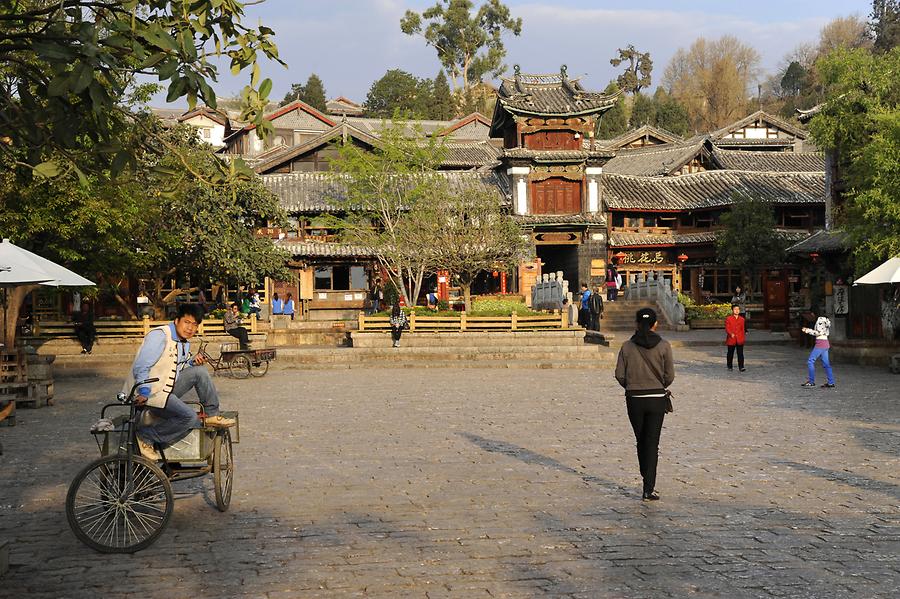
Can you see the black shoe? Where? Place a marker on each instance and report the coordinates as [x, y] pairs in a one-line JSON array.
[[808, 384], [651, 496], [730, 369], [743, 369], [828, 386]]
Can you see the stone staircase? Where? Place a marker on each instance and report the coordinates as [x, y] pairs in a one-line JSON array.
[[618, 316], [511, 349]]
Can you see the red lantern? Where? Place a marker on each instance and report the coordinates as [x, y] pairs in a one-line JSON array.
[[814, 256], [621, 255], [682, 258]]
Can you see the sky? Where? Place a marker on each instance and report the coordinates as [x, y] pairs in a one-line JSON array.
[[351, 43]]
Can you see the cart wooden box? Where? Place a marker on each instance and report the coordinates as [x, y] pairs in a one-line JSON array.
[[197, 446]]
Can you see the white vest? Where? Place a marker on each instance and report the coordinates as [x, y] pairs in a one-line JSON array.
[[166, 370]]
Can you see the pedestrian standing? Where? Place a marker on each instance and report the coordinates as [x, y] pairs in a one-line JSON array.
[[584, 310], [740, 298], [377, 296], [735, 336], [820, 351], [645, 368], [618, 287], [288, 308], [610, 283], [398, 323], [277, 305], [596, 306]]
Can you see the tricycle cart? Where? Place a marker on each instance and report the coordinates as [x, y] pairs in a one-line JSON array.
[[239, 362], [122, 502]]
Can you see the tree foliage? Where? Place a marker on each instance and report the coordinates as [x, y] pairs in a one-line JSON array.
[[712, 79], [399, 91], [469, 43], [749, 240], [469, 233], [637, 71], [860, 123], [885, 24], [312, 92], [66, 65], [794, 79], [157, 222], [670, 113], [386, 204], [614, 121], [442, 105]]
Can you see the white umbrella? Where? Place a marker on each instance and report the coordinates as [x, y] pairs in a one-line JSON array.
[[20, 267], [889, 272]]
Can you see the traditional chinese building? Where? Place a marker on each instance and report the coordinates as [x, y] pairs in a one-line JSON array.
[[547, 124]]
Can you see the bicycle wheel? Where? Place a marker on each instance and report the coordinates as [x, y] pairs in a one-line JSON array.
[[260, 368], [240, 367], [223, 469], [112, 513]]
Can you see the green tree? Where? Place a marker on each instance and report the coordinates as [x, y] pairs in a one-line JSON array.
[[157, 221], [794, 79], [884, 23], [386, 203], [749, 240], [312, 92], [670, 113], [66, 66], [614, 121], [469, 44], [637, 71], [400, 91], [469, 233], [442, 104], [860, 124], [643, 111]]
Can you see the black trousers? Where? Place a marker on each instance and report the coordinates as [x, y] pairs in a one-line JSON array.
[[395, 333], [740, 353], [646, 415], [241, 334]]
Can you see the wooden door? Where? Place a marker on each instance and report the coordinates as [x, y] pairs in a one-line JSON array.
[[556, 196], [776, 300]]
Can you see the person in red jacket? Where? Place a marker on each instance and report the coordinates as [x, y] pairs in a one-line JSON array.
[[735, 335]]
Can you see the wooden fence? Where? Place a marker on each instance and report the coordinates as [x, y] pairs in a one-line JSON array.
[[130, 328], [464, 322]]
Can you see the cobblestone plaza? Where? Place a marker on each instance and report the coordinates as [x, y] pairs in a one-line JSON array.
[[481, 482]]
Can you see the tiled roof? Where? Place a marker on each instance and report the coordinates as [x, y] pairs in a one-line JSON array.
[[342, 105], [556, 155], [327, 192], [632, 136], [471, 155], [780, 142], [759, 115], [475, 117], [822, 241], [560, 219], [617, 239], [710, 189], [319, 249], [804, 116], [653, 161], [210, 113], [551, 95], [342, 130], [784, 162], [418, 128]]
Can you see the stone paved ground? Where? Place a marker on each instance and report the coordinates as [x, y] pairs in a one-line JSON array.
[[495, 483]]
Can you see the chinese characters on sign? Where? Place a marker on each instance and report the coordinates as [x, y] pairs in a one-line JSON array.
[[841, 305], [645, 258]]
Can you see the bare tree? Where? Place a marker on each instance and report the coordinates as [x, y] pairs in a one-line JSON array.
[[713, 79]]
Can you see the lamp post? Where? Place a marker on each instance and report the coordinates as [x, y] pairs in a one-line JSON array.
[[682, 258]]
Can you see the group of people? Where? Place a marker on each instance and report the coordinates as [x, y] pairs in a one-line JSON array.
[[590, 308], [283, 307]]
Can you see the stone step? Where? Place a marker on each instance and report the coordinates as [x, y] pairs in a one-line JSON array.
[[556, 338]]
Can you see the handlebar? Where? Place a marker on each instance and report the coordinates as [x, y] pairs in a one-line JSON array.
[[121, 394]]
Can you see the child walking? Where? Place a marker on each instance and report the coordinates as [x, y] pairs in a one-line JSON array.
[[820, 351]]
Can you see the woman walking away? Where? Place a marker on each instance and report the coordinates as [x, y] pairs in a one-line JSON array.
[[645, 369], [735, 336], [820, 332], [398, 323]]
